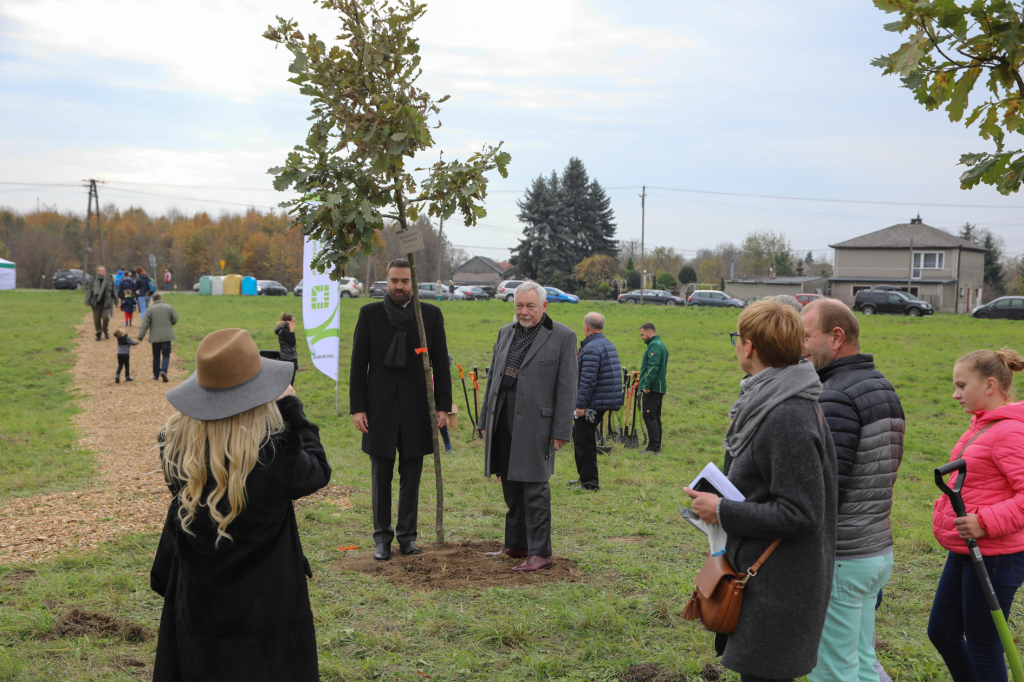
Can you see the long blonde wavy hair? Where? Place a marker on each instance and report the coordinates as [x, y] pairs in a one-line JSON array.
[[228, 448]]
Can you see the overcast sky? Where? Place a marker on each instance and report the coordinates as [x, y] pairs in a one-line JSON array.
[[185, 105]]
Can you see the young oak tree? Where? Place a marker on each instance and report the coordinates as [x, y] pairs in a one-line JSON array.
[[369, 121], [949, 48]]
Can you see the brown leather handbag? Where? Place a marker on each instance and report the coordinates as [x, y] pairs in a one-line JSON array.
[[719, 594]]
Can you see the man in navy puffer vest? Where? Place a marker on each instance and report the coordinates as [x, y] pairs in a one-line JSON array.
[[600, 391]]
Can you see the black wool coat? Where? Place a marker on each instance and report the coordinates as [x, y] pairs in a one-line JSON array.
[[240, 610], [395, 401]]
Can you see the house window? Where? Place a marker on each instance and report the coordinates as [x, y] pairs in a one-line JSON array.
[[928, 260]]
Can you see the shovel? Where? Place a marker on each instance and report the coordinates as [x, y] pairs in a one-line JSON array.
[[960, 466], [631, 440], [476, 407], [466, 394]]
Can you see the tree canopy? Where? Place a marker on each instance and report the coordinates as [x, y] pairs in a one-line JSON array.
[[949, 49]]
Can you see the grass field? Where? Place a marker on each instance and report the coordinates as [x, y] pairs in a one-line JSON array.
[[627, 611]]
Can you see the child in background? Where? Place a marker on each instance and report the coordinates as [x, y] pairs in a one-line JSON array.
[[285, 331], [124, 347], [128, 306]]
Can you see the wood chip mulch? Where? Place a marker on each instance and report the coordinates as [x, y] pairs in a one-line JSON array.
[[119, 424]]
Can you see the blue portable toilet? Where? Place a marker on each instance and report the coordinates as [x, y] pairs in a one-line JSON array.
[[248, 286], [205, 285]]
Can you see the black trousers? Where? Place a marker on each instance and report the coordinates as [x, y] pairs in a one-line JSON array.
[[122, 361], [584, 441], [528, 519], [382, 472], [162, 348], [652, 419]]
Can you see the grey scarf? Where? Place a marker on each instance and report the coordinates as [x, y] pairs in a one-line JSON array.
[[760, 394]]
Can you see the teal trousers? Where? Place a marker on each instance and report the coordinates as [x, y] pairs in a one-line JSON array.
[[847, 651]]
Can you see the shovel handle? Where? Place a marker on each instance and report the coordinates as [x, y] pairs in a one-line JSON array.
[[955, 498], [476, 385], [461, 375]]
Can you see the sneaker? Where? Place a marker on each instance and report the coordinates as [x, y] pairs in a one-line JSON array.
[[106, 334], [129, 379], [163, 375], [99, 337], [117, 378]]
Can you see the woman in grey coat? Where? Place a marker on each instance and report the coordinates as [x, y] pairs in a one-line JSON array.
[[779, 454]]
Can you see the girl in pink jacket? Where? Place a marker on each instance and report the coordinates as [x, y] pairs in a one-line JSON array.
[[960, 626]]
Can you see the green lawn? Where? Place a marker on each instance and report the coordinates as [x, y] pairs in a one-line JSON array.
[[38, 449], [626, 612]]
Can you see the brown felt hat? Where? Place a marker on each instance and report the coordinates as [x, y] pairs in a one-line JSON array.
[[230, 378]]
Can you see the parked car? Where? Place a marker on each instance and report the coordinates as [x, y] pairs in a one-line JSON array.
[[378, 289], [488, 289], [651, 297], [507, 289], [298, 288], [268, 287], [69, 279], [1006, 308], [714, 299], [559, 296], [470, 294], [350, 287], [807, 298], [428, 291], [893, 302], [195, 287]]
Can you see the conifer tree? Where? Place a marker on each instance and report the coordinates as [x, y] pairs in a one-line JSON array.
[[604, 242]]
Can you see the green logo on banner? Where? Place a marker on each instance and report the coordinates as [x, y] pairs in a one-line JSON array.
[[321, 297]]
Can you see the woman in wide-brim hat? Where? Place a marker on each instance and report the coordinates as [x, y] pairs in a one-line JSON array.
[[230, 565]]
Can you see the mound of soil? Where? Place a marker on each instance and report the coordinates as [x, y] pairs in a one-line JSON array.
[[78, 622], [456, 565]]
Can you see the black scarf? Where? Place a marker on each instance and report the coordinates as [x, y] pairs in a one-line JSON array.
[[400, 319], [521, 342]]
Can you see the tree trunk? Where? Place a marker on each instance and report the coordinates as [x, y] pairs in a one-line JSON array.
[[438, 478]]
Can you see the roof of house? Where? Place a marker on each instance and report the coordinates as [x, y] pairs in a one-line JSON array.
[[500, 268], [775, 280], [900, 237]]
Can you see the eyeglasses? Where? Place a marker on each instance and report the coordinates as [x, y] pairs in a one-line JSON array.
[[733, 336]]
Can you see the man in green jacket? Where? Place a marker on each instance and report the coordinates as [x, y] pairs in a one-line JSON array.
[[101, 297], [159, 320], [652, 383]]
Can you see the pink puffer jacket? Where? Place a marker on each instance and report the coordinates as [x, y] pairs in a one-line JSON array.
[[994, 489]]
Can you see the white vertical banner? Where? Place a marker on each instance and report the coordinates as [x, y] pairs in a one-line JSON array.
[[321, 317]]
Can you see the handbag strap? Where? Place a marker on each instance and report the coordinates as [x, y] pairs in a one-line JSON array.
[[964, 448], [752, 571]]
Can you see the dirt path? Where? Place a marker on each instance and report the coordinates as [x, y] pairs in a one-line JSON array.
[[119, 424]]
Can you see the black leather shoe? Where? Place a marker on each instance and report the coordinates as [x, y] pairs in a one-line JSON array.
[[573, 484], [382, 553], [408, 548]]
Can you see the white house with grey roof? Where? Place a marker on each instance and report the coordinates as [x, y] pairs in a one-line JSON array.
[[934, 265]]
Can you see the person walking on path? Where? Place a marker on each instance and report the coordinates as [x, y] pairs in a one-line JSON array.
[[388, 402], [159, 321], [599, 391], [124, 349], [229, 564], [653, 370], [128, 307], [960, 626], [167, 279], [866, 420], [779, 455], [126, 285], [285, 330], [143, 290], [525, 418], [101, 297]]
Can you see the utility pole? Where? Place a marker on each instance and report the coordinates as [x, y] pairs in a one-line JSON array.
[[643, 216], [440, 249], [94, 196]]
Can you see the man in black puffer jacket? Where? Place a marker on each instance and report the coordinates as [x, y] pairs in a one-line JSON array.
[[599, 391], [866, 419]]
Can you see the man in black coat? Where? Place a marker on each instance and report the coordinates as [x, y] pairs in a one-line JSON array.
[[388, 402]]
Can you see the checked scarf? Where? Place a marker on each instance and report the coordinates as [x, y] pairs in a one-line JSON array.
[[521, 342]]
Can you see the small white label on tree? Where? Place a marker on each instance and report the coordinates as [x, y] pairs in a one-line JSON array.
[[411, 239]]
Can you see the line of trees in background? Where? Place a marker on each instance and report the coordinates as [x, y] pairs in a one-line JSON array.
[[257, 244]]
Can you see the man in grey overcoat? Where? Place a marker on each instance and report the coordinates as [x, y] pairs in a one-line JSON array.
[[526, 416], [101, 297]]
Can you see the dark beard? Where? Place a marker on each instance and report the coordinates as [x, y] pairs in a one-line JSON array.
[[399, 298]]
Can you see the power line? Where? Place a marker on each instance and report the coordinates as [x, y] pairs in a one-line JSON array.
[[42, 184], [833, 201], [168, 196]]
